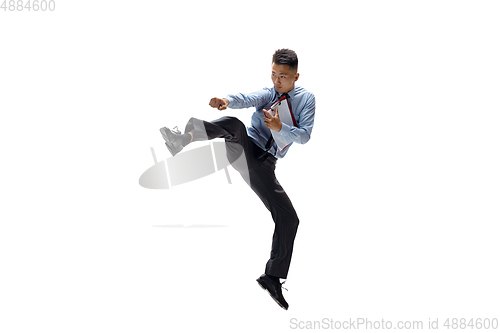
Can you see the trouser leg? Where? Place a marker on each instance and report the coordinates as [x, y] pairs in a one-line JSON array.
[[232, 130], [266, 186]]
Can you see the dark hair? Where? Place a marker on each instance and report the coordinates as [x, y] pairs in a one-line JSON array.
[[286, 57]]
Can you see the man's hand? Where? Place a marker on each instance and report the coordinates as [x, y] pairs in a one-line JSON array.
[[273, 122], [219, 103]]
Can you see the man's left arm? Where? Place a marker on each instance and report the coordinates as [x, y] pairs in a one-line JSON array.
[[302, 133]]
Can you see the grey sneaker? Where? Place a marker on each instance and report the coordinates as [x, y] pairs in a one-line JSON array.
[[173, 139]]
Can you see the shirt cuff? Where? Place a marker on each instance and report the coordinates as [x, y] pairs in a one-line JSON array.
[[230, 101], [285, 129]]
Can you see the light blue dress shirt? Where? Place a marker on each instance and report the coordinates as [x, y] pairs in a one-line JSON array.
[[303, 106]]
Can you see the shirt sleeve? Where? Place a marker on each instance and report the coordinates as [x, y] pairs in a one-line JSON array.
[[254, 99], [302, 133]]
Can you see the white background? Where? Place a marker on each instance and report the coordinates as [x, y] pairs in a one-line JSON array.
[[397, 190]]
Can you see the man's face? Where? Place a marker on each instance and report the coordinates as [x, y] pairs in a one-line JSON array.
[[283, 78]]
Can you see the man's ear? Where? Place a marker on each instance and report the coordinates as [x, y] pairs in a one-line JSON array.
[[296, 77]]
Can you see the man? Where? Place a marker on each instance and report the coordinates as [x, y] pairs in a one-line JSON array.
[[260, 153]]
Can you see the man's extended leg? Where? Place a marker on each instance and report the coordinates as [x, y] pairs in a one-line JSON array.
[[229, 128]]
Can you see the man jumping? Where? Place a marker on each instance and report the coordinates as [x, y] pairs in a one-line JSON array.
[[260, 152]]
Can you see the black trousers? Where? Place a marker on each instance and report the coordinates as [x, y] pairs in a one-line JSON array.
[[257, 168]]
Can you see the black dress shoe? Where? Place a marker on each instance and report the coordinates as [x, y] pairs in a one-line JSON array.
[[274, 289], [173, 140]]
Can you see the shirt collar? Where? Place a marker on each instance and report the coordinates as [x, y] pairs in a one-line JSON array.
[[291, 93]]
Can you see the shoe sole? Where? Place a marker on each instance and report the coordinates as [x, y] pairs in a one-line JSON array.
[[170, 149], [262, 285]]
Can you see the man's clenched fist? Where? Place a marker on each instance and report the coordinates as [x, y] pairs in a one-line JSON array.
[[219, 103]]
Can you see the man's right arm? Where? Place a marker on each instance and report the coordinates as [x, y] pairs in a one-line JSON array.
[[241, 101]]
